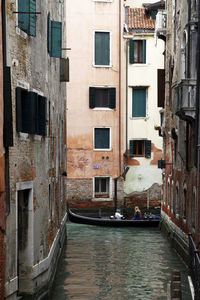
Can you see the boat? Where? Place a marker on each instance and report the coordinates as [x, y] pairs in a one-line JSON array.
[[152, 221]]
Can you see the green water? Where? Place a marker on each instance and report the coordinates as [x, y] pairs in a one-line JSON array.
[[117, 264]]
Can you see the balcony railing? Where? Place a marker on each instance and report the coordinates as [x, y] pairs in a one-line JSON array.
[[185, 93], [194, 263], [161, 22]]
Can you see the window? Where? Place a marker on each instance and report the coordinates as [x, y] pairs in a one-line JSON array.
[[54, 41], [27, 17], [137, 53], [102, 97], [102, 49], [140, 148], [102, 187], [30, 112], [102, 138], [139, 102]]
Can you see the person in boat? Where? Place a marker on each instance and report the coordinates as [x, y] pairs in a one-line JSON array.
[[118, 214], [138, 214]]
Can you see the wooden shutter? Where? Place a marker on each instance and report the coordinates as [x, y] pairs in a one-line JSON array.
[[29, 101], [144, 51], [131, 52], [56, 39], [92, 97], [49, 33], [147, 148], [23, 19], [132, 148], [112, 98], [161, 87], [64, 70], [139, 102], [8, 120], [32, 18], [19, 109], [102, 48], [102, 138], [41, 115]]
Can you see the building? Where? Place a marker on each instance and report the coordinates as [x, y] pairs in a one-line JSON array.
[[144, 100], [35, 57], [180, 126], [95, 103]]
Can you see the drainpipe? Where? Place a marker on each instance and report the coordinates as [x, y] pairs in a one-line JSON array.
[[120, 23], [7, 176], [127, 42], [197, 156], [188, 46]]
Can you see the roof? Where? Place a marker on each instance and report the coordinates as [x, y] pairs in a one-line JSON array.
[[137, 19], [155, 6]]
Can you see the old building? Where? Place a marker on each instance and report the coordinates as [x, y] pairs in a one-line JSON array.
[[94, 103], [144, 71], [35, 57], [180, 126]]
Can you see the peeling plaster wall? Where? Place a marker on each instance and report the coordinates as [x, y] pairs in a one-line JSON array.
[[36, 162]]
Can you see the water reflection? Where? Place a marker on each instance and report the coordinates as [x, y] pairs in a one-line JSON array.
[[117, 263]]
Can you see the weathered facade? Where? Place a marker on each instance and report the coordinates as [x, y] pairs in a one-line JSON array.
[[180, 126], [144, 68], [35, 225], [94, 105]]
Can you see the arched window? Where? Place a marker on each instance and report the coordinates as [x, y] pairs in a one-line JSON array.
[[177, 202]]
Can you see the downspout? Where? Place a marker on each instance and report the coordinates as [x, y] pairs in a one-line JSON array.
[[127, 102], [120, 23], [188, 46], [197, 138], [7, 171]]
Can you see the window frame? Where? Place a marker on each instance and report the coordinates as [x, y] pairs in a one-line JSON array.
[[110, 138], [109, 186], [110, 57], [131, 56], [111, 97], [146, 98], [147, 150]]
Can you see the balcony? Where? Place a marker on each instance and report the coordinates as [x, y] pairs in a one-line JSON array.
[[185, 93], [161, 24]]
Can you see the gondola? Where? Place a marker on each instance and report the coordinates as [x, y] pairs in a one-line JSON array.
[[152, 221]]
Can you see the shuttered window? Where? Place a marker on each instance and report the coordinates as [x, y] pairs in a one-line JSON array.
[[137, 52], [30, 112], [102, 49], [139, 102], [54, 39], [161, 87], [140, 148], [100, 97], [102, 138], [8, 120], [102, 187], [27, 17]]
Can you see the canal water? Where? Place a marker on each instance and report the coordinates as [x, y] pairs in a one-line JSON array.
[[117, 264]]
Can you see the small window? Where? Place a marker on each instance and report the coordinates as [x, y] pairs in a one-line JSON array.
[[102, 97], [102, 187], [27, 17], [137, 53], [54, 40], [102, 138], [102, 49], [140, 148], [139, 102]]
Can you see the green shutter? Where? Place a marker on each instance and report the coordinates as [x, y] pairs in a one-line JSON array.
[[41, 116], [102, 48], [147, 149], [144, 51], [29, 101], [131, 52], [132, 148], [112, 98], [32, 18], [139, 103], [56, 39], [19, 109], [64, 69], [92, 97], [49, 33], [23, 19], [102, 138], [8, 120]]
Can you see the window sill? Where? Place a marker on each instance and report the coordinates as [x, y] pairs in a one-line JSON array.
[[101, 199], [102, 150], [102, 66], [138, 118], [139, 65], [103, 1], [103, 108]]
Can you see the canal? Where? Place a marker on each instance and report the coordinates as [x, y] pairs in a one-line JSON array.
[[117, 264]]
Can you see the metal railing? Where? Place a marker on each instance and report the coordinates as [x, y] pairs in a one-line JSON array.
[[194, 262]]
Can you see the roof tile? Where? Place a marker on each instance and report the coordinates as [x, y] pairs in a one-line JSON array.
[[137, 19]]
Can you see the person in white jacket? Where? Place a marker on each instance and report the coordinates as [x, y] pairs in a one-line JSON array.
[[118, 214]]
